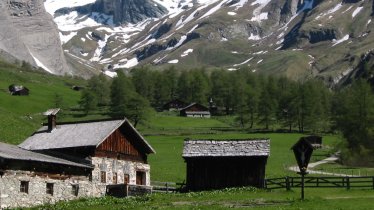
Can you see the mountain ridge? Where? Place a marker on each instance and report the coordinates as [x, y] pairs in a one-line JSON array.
[[298, 38]]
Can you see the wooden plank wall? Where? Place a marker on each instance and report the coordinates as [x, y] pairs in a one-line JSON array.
[[119, 146], [221, 172]]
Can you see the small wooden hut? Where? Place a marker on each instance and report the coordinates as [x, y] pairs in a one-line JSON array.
[[195, 110], [18, 90], [221, 164]]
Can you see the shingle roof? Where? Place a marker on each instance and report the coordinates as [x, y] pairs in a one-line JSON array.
[[13, 152], [227, 148], [77, 135]]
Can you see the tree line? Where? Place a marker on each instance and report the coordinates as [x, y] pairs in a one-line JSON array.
[[257, 101]]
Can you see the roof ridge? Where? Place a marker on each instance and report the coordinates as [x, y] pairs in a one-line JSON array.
[[87, 121]]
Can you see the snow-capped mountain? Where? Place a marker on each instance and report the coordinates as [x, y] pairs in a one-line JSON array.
[[298, 38]]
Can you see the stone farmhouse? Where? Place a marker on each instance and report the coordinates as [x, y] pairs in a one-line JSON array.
[[225, 163], [68, 161]]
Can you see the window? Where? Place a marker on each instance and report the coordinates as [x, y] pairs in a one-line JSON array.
[[75, 189], [140, 178], [24, 187], [103, 177], [126, 178], [114, 178], [49, 188]]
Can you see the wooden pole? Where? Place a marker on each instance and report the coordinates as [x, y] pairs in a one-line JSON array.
[[302, 185]]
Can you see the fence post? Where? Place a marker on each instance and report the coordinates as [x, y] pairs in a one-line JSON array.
[[167, 187], [265, 184], [348, 183], [373, 182], [288, 187]]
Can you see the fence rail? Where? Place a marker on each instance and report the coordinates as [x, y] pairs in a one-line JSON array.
[[166, 187], [320, 182]]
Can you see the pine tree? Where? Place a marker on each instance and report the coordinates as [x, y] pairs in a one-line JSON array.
[[88, 101], [100, 87]]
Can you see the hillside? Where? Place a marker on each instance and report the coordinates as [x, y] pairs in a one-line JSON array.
[[20, 116]]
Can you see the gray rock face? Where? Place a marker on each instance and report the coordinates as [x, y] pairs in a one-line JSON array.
[[123, 11], [132, 11], [28, 33]]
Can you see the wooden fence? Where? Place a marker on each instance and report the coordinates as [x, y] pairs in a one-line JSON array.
[[167, 187], [321, 182]]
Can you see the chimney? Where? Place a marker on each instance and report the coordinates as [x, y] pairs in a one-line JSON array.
[[52, 118]]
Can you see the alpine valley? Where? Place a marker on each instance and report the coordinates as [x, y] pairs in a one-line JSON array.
[[329, 39]]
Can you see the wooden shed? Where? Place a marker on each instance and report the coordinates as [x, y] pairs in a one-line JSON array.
[[18, 90], [195, 110], [230, 163]]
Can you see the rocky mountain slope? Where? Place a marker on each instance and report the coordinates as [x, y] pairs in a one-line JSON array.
[[298, 38], [28, 33]]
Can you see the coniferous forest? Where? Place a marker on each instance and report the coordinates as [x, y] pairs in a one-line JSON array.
[[257, 102]]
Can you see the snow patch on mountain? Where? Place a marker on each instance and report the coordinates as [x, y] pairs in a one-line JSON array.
[[254, 37], [336, 42], [65, 38], [175, 61], [246, 61], [187, 52], [356, 11], [214, 9], [257, 13], [330, 11], [99, 49], [111, 74], [51, 6], [129, 64], [240, 4], [40, 64]]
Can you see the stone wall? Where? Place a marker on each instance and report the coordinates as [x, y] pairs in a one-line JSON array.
[[121, 167], [10, 195], [10, 182]]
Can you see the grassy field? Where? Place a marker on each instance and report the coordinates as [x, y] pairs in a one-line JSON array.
[[243, 198], [21, 116]]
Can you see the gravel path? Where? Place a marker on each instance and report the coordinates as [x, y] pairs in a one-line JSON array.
[[324, 161]]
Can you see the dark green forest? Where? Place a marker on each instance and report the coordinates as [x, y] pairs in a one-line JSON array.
[[258, 102]]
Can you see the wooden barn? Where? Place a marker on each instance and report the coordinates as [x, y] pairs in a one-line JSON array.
[[18, 90], [195, 110], [229, 163], [114, 147], [175, 104], [72, 160]]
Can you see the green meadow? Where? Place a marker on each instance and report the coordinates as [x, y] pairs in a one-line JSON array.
[[168, 165], [166, 132]]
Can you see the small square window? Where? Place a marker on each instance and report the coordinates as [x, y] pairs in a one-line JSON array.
[[75, 189], [126, 178], [115, 179], [49, 188], [103, 177], [24, 187]]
